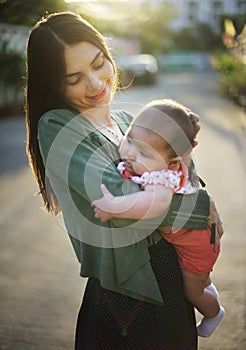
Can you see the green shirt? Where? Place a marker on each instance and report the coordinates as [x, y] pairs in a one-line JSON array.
[[77, 160]]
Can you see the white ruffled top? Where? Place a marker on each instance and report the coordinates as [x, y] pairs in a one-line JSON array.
[[177, 180]]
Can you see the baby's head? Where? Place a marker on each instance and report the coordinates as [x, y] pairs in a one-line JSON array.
[[159, 137]]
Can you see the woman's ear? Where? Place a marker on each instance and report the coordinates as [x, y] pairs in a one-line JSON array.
[[174, 163]]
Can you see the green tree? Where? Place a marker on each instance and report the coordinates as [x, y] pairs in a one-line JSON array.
[[199, 38], [27, 12], [12, 71], [148, 23], [232, 76], [238, 21], [151, 26]]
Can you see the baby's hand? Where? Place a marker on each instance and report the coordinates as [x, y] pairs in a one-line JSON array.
[[102, 215], [102, 206]]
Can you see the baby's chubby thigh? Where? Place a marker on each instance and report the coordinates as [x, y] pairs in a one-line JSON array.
[[195, 252], [194, 284]]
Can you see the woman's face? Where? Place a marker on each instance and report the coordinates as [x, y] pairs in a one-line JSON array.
[[89, 77]]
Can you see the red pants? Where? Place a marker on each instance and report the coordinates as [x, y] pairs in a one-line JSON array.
[[195, 252]]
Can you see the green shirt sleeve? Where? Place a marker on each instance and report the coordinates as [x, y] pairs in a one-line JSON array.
[[77, 159]]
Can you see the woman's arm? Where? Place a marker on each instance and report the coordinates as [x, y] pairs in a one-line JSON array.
[[79, 161], [151, 202]]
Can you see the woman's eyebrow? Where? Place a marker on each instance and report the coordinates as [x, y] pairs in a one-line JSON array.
[[94, 59]]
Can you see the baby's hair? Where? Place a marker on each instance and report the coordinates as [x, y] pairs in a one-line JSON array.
[[171, 121]]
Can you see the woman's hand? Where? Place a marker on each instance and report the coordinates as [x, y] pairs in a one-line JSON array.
[[195, 121], [103, 204], [214, 218], [102, 215]]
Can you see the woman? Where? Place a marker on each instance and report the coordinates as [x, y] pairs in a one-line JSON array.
[[134, 296]]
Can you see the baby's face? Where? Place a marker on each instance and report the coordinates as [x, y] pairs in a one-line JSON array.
[[143, 151]]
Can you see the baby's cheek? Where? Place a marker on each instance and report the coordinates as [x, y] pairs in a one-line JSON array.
[[140, 167]]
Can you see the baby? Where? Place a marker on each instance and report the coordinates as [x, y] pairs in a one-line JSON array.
[[157, 155]]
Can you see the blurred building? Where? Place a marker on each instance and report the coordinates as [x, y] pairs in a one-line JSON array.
[[190, 12]]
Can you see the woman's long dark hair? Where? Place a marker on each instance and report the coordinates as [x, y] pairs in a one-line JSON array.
[[45, 72]]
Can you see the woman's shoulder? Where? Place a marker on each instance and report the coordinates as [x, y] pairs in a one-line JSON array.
[[122, 115], [123, 118], [122, 112], [59, 116], [56, 120], [57, 124]]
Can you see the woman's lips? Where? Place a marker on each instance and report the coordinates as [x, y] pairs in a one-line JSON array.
[[99, 96]]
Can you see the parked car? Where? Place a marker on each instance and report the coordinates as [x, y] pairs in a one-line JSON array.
[[141, 68]]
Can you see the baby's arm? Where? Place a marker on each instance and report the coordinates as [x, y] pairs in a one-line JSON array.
[[152, 202]]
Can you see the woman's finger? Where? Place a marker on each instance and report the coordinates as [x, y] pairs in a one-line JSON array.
[[217, 242], [194, 117]]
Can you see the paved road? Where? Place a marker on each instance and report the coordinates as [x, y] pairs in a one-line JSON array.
[[40, 290]]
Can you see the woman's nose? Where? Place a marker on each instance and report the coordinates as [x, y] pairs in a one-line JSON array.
[[94, 83]]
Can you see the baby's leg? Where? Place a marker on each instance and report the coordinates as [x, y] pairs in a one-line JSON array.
[[211, 287], [204, 301]]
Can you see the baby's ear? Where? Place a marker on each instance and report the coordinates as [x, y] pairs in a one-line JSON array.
[[174, 163]]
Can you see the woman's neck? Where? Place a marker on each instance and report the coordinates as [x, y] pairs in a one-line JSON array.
[[99, 114], [101, 120]]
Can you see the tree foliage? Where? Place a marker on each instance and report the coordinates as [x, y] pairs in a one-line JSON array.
[[199, 38], [151, 26], [12, 66], [232, 76], [237, 20], [27, 12], [148, 23]]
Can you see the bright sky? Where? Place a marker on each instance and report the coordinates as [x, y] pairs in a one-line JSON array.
[[91, 0], [102, 7]]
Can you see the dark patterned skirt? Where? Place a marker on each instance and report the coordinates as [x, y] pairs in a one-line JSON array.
[[111, 321]]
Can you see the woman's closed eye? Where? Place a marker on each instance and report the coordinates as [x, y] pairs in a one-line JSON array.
[[74, 79], [99, 63], [77, 78]]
